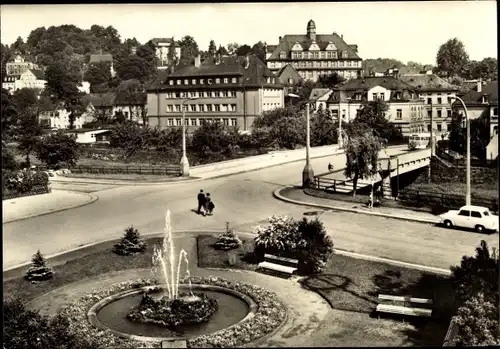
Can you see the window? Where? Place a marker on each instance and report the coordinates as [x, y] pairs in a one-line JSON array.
[[178, 82], [202, 107], [495, 111], [193, 122], [233, 93], [206, 94], [216, 93], [202, 81], [177, 107], [170, 108], [217, 80], [177, 95], [171, 82], [428, 128], [486, 213], [186, 82], [234, 80], [374, 96], [193, 81], [382, 96], [209, 107], [226, 80], [178, 122], [315, 55], [170, 122], [233, 122], [223, 93], [282, 54], [448, 127], [440, 114], [344, 54], [225, 121], [475, 214], [192, 107], [439, 127], [186, 121], [429, 100], [429, 113], [448, 113], [440, 100], [217, 107], [399, 114], [183, 94], [233, 107]]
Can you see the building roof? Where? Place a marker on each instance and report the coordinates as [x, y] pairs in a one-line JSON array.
[[271, 48], [255, 74], [322, 40], [369, 82], [101, 57], [318, 93], [489, 89], [428, 82], [100, 100], [157, 41], [85, 130], [286, 73], [39, 74]]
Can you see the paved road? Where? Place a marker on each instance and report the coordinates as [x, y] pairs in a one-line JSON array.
[[245, 200]]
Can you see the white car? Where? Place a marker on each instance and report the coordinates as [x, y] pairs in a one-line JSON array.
[[473, 217]]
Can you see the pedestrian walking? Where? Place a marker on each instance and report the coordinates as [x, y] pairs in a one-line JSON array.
[[370, 200], [209, 205], [330, 167], [201, 201]]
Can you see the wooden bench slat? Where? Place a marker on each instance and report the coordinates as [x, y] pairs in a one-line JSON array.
[[404, 299], [396, 309], [289, 260], [277, 267]]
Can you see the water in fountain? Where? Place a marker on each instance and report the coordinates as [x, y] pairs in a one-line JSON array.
[[164, 263]]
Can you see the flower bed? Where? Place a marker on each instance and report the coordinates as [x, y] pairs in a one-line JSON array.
[[35, 190], [270, 313]]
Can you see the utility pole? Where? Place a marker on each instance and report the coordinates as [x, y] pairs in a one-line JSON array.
[[429, 179]]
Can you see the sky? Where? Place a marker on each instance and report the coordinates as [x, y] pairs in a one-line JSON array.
[[400, 30]]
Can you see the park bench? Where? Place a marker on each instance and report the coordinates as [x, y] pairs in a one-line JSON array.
[[403, 306], [280, 264]]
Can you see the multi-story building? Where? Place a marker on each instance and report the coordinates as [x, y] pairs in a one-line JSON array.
[[314, 54], [405, 108], [162, 46], [19, 66], [30, 78], [107, 105], [437, 95], [232, 90], [58, 119]]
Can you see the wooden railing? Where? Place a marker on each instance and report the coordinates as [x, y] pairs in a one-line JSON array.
[[327, 184], [172, 170]]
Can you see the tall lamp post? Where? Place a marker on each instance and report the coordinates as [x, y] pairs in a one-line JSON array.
[[467, 120], [184, 159], [307, 172]]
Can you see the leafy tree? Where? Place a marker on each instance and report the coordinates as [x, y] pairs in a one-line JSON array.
[[232, 48], [477, 323], [5, 57], [98, 73], [8, 160], [479, 273], [189, 49], [373, 116], [452, 57], [212, 48], [214, 138], [479, 135], [259, 50], [361, 150], [148, 54], [57, 148], [243, 50], [289, 132], [29, 132], [487, 69], [270, 117], [19, 47], [323, 129], [329, 80], [222, 51], [302, 89], [10, 116]]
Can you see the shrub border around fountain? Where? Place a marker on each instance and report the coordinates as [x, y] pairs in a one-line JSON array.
[[92, 313], [270, 314]]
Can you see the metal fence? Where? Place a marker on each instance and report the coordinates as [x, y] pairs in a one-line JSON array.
[[173, 170], [327, 184]]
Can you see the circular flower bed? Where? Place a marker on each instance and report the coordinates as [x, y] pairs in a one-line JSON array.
[[270, 313], [187, 309]]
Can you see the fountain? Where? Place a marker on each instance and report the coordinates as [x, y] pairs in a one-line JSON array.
[[171, 308]]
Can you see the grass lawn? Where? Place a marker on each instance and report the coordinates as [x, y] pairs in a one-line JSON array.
[[351, 286], [484, 190]]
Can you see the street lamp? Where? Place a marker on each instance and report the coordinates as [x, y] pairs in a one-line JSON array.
[[467, 120], [184, 159], [308, 172]]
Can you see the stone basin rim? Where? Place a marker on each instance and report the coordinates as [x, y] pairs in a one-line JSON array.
[[92, 313]]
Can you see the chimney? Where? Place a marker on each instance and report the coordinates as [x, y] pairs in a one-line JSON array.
[[279, 39], [217, 58], [172, 68], [479, 86], [342, 36], [247, 61], [197, 61]]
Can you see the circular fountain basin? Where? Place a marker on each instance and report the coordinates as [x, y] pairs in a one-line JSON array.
[[111, 314]]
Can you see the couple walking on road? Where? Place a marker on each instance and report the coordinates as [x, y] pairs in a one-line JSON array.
[[205, 202]]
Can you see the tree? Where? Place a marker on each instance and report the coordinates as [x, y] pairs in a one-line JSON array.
[[373, 116], [479, 135], [232, 48], [189, 49], [361, 154], [57, 148], [147, 53], [329, 80], [243, 50], [302, 89], [222, 51], [9, 116], [487, 69], [98, 73], [259, 50], [323, 129], [212, 49], [19, 47], [214, 138], [286, 126], [452, 57], [5, 56]]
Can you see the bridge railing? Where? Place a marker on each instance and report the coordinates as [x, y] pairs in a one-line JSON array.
[[327, 184]]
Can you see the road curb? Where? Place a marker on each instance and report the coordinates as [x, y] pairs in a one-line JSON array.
[[251, 235], [278, 196], [93, 198], [193, 180]]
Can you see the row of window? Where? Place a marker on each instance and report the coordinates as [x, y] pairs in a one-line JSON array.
[[199, 122], [314, 74], [320, 64], [202, 108], [201, 94], [439, 127], [203, 81], [314, 54]]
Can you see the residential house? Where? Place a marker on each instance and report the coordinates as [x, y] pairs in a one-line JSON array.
[[19, 66], [162, 46], [100, 106], [30, 78], [103, 57], [319, 98], [58, 119], [288, 77], [9, 82], [482, 101], [437, 95], [314, 54], [86, 136], [232, 90], [405, 108]]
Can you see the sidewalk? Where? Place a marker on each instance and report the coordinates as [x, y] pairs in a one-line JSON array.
[[297, 196], [38, 205]]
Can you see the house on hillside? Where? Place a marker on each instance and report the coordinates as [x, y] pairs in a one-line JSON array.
[[30, 78], [19, 66], [99, 106], [232, 90], [94, 136], [162, 46], [288, 77], [320, 97], [57, 118], [406, 109], [314, 54]]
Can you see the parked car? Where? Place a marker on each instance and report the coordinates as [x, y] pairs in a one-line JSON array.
[[472, 217]]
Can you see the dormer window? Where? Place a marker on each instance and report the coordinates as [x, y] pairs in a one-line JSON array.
[[282, 54], [186, 82], [484, 99], [193, 81], [171, 82], [234, 80], [344, 54], [178, 82], [217, 80], [226, 80]]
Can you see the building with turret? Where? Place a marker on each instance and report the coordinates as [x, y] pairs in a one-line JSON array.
[[312, 55]]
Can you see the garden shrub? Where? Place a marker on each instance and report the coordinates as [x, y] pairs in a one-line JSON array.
[[39, 271], [304, 240], [130, 244], [227, 241], [8, 159]]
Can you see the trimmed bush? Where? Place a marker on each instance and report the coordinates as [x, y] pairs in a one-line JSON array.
[[130, 244], [227, 241], [39, 271]]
